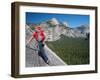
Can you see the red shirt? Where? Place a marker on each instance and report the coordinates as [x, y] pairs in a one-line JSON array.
[[36, 35]]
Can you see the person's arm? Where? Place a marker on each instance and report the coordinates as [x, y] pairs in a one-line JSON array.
[[46, 37], [30, 39]]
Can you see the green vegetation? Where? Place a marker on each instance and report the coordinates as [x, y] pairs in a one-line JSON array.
[[73, 51]]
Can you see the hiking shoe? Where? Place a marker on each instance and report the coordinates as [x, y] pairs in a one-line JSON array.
[[48, 62]]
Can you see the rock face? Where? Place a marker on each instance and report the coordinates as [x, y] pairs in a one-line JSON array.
[[53, 28], [32, 58]]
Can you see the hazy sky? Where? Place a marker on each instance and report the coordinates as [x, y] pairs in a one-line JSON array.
[[72, 19]]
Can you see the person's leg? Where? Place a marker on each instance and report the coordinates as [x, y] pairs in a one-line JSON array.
[[44, 55], [42, 52]]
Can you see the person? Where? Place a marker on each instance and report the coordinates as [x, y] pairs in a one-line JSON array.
[[39, 36]]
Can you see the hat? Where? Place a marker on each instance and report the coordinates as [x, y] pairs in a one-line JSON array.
[[38, 28]]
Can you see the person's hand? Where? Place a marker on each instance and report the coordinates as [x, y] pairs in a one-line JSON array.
[[43, 45], [27, 43]]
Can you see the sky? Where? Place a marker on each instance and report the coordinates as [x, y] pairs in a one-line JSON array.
[[73, 20]]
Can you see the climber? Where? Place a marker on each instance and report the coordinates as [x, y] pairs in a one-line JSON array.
[[39, 36]]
